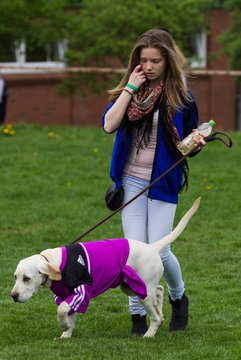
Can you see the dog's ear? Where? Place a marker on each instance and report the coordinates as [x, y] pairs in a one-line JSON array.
[[53, 273]]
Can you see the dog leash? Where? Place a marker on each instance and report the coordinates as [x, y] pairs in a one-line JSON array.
[[227, 142]]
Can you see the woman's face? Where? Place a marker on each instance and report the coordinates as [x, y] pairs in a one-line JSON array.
[[153, 63]]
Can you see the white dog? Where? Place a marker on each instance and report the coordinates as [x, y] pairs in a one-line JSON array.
[[75, 278]]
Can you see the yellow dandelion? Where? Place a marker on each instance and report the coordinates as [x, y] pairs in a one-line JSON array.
[[8, 130], [51, 134]]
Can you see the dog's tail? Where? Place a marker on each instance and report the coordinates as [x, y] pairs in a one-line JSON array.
[[160, 244]]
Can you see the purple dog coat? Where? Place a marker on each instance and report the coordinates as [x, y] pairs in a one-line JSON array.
[[106, 267]]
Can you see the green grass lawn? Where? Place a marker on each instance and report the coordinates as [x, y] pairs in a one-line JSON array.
[[52, 185]]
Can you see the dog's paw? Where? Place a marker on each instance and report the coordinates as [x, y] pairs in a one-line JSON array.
[[149, 334], [66, 335]]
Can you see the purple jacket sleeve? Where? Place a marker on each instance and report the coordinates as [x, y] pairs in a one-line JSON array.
[[79, 299]]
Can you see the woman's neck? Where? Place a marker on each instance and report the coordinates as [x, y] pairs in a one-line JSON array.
[[151, 84]]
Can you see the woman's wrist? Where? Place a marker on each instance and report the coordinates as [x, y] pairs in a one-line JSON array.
[[132, 87], [128, 91]]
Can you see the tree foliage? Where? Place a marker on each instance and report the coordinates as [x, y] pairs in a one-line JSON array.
[[97, 30], [231, 38], [109, 28], [38, 22]]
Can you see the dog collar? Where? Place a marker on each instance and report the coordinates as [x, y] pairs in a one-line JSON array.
[[44, 257]]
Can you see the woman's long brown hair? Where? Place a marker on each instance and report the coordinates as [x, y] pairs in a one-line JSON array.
[[174, 87]]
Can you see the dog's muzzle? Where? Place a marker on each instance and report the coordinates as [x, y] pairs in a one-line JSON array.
[[15, 297]]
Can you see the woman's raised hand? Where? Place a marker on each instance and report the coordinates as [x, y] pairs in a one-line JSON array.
[[137, 77]]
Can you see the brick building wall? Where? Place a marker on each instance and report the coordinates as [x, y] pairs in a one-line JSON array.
[[217, 97], [34, 99]]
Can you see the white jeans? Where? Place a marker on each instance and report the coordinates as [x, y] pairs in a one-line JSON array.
[[148, 221]]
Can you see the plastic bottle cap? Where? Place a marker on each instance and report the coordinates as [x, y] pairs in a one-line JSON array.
[[212, 122]]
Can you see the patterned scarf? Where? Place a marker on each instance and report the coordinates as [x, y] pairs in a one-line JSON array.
[[143, 105], [143, 101]]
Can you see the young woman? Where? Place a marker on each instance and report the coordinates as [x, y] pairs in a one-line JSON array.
[[152, 110]]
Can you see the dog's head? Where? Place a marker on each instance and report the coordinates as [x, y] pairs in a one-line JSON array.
[[30, 274]]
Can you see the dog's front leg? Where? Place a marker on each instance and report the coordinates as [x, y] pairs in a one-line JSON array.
[[65, 321]]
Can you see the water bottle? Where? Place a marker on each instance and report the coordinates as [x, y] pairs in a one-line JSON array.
[[188, 144]]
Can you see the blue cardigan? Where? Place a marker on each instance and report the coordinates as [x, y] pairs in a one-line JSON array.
[[168, 188]]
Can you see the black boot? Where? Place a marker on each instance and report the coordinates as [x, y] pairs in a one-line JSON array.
[[139, 326], [179, 318]]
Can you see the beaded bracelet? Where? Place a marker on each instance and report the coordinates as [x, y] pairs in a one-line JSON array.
[[132, 86], [128, 91]]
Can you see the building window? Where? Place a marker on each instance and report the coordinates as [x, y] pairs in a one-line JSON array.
[[198, 51], [18, 54], [49, 52], [7, 50]]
